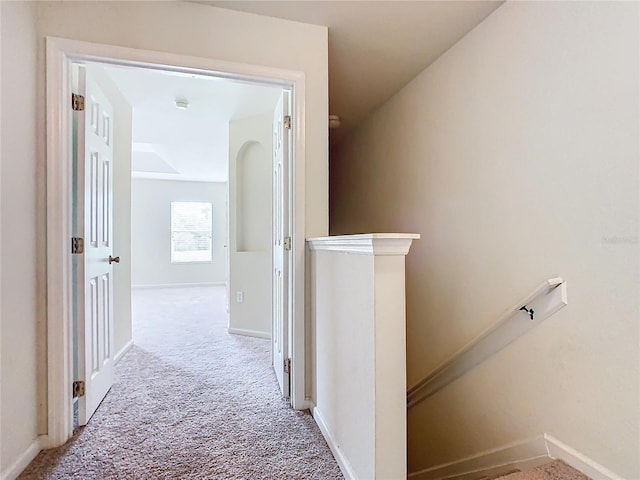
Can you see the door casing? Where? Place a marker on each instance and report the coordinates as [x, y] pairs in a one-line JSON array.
[[60, 54]]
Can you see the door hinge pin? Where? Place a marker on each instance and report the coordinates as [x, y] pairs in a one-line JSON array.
[[287, 243], [287, 365], [77, 102], [77, 245], [78, 388], [287, 122]]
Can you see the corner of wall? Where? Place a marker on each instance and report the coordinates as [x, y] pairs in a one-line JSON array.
[[21, 287]]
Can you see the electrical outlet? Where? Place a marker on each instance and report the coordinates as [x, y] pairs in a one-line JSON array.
[[239, 296]]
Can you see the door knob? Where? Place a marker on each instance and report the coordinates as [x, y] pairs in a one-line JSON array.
[[113, 259]]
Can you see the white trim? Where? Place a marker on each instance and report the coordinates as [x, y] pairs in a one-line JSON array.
[[546, 300], [59, 55], [249, 333], [171, 177], [23, 460], [123, 351], [307, 404], [297, 261], [366, 244], [178, 285], [45, 442], [520, 455], [115, 55], [523, 455], [59, 221], [343, 463], [572, 457]]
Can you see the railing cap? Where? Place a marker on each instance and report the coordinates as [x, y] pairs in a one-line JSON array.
[[365, 244]]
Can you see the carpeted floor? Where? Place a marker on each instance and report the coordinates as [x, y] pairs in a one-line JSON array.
[[556, 470], [191, 402]]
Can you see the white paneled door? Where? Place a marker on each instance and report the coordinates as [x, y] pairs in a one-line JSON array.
[[94, 217], [281, 242]]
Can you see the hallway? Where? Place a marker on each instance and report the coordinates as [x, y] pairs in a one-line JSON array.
[[191, 401]]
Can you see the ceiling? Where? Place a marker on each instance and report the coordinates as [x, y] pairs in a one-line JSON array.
[[185, 144], [375, 47]]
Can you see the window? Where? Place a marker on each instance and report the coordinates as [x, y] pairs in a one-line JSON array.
[[191, 232]]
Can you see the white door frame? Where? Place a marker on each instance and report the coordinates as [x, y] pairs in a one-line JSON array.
[[60, 53]]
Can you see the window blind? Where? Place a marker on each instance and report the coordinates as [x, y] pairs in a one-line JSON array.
[[191, 232]]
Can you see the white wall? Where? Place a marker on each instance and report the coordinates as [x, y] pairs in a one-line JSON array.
[[515, 155], [250, 219], [122, 112], [18, 402], [343, 315], [151, 232], [357, 299], [208, 32]]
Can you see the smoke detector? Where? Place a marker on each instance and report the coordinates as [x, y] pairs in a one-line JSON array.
[[334, 121]]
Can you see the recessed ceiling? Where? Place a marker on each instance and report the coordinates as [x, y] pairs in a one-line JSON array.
[[192, 143], [150, 158], [375, 47]]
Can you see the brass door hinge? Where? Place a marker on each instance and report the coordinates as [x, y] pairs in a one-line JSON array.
[[287, 244], [77, 102], [287, 122], [78, 388], [77, 245], [287, 365]]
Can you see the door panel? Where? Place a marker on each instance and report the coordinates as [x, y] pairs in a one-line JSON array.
[[281, 229], [94, 222]]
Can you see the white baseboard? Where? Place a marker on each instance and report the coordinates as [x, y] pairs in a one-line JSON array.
[[523, 455], [497, 461], [123, 351], [23, 461], [249, 333], [178, 285], [570, 456], [343, 463]]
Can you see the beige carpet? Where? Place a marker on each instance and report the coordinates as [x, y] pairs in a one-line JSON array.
[[191, 402], [556, 470]]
